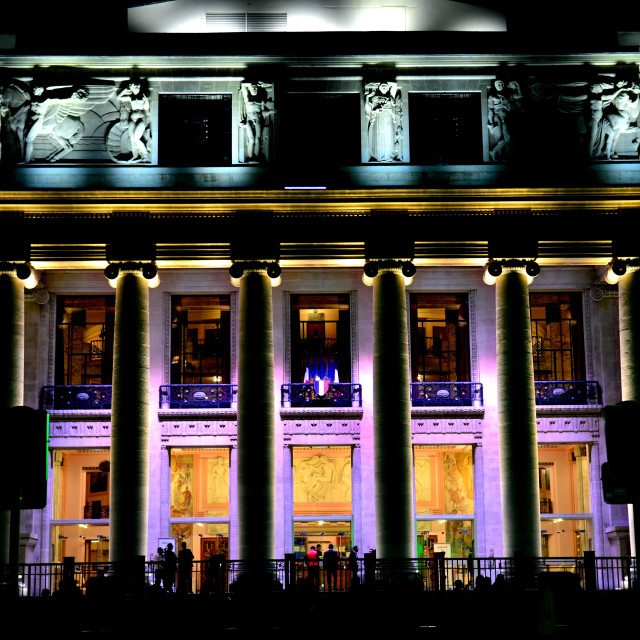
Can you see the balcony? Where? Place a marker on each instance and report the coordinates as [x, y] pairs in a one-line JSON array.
[[568, 392], [446, 394], [303, 394], [198, 396], [96, 512], [90, 396]]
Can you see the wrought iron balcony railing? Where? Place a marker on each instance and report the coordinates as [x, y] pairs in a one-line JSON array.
[[567, 392], [76, 396], [96, 512], [198, 396], [446, 394], [339, 394]]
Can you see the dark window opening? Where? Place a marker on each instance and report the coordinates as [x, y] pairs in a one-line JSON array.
[[84, 340], [556, 334], [200, 340], [195, 130], [320, 130], [440, 337], [445, 128], [320, 338]]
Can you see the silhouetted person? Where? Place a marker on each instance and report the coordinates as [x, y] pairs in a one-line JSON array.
[[158, 559], [331, 567], [353, 565], [170, 564], [314, 566], [185, 566]]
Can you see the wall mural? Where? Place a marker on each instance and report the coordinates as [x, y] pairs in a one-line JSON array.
[[318, 477]]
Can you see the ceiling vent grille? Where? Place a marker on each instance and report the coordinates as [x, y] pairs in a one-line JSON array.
[[243, 22]]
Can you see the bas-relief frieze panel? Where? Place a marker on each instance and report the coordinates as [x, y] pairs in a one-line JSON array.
[[93, 121], [591, 114]]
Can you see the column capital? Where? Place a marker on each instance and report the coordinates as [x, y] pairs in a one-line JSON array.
[[20, 270], [374, 267], [147, 270], [497, 267], [619, 267], [265, 267]]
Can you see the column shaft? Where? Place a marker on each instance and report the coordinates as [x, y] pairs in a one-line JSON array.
[[11, 368], [130, 420], [392, 419], [629, 323], [256, 421], [517, 418]]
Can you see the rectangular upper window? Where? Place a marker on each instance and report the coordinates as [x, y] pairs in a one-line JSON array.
[[195, 129], [556, 333], [440, 337], [84, 340], [445, 128], [320, 338], [200, 339]]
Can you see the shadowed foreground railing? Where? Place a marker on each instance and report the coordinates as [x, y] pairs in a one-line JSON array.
[[217, 575]]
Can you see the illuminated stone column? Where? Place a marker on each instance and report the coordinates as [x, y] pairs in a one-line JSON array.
[[628, 272], [393, 456], [129, 496], [256, 415], [517, 428], [11, 364]]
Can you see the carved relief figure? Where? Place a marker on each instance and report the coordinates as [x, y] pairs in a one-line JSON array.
[[56, 113], [383, 107], [501, 103], [320, 478], [256, 120], [620, 111], [130, 139], [14, 111]]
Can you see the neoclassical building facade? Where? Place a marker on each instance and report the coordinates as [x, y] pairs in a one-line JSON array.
[[348, 298]]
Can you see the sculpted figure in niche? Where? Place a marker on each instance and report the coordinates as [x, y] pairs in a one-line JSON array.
[[15, 103], [135, 120], [383, 107], [501, 102], [256, 120], [612, 114]]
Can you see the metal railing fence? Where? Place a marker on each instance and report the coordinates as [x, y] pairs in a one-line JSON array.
[[216, 575]]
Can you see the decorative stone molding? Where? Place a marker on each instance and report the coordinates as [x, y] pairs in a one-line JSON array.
[[39, 295], [600, 290], [569, 425], [198, 428], [447, 426], [80, 428], [317, 427]]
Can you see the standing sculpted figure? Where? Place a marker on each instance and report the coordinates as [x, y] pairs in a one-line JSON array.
[[383, 107], [256, 119], [500, 104], [14, 111], [135, 111]]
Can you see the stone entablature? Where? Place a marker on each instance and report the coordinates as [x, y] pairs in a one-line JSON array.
[[313, 421]]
